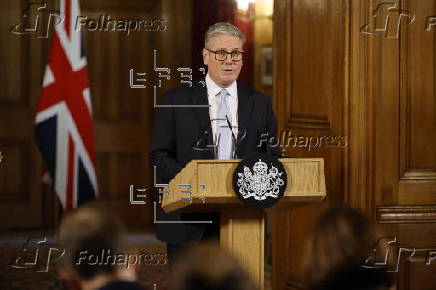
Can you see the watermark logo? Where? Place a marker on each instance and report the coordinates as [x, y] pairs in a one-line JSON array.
[[286, 139], [202, 144], [37, 254], [106, 23], [388, 254], [431, 21], [387, 19], [105, 257], [36, 19]]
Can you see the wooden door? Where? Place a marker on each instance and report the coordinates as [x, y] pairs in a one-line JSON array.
[[397, 73], [310, 100], [335, 76]]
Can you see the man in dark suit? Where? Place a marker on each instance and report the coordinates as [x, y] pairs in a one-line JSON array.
[[216, 110]]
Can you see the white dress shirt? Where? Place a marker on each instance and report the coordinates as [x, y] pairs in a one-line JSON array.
[[213, 91]]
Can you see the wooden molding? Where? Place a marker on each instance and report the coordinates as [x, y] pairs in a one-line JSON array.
[[361, 121], [309, 122], [406, 214], [420, 174], [293, 284]]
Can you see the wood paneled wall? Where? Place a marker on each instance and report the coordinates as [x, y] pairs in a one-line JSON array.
[[22, 60], [310, 99], [376, 89], [123, 117]]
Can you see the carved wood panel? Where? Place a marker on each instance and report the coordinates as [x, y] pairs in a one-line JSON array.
[[383, 97], [310, 100]]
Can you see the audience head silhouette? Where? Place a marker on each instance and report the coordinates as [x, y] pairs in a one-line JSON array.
[[342, 240], [86, 234], [208, 267]]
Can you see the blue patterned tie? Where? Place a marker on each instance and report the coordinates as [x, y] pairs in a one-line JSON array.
[[224, 132]]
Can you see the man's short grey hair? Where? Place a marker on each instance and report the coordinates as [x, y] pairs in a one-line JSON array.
[[222, 28]]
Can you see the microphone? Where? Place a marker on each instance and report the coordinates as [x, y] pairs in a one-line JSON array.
[[233, 137]]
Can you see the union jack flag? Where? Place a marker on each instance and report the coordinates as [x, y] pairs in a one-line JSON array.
[[64, 128]]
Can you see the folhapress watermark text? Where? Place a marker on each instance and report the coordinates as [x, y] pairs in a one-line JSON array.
[[286, 139]]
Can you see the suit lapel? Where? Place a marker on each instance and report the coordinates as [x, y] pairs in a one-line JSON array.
[[199, 97], [245, 109]]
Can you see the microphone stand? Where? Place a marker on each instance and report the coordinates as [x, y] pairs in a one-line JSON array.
[[236, 155]]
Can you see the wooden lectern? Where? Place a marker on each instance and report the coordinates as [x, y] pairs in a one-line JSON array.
[[242, 228]]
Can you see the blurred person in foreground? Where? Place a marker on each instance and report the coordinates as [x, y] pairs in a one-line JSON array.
[[92, 238], [208, 267], [342, 241]]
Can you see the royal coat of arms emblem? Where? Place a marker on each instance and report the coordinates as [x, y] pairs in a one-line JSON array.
[[261, 183], [260, 180]]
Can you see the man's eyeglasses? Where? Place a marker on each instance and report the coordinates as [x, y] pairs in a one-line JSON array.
[[221, 55]]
